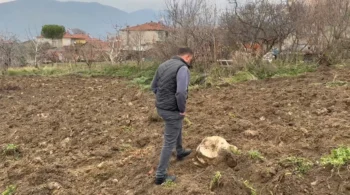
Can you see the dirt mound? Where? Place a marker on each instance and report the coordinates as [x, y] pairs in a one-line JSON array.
[[98, 136]]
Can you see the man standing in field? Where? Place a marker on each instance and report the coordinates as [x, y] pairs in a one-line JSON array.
[[170, 85]]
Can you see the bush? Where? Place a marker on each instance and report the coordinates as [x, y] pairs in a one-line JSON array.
[[10, 190], [301, 165], [215, 181], [256, 155], [263, 70], [241, 76], [11, 149], [338, 157], [248, 185]]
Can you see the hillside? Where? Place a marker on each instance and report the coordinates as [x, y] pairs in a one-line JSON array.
[[95, 18]]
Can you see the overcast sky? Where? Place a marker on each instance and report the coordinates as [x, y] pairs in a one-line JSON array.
[[132, 5]]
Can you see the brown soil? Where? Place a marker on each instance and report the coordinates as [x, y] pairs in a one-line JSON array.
[[95, 136]]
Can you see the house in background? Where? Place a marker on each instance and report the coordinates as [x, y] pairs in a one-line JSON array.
[[143, 37], [67, 40]]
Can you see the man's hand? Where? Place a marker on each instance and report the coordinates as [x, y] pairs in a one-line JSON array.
[[183, 114]]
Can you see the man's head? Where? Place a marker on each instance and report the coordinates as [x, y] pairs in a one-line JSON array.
[[186, 54]]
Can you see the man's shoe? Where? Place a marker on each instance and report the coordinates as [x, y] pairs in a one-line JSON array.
[[183, 154], [161, 180]]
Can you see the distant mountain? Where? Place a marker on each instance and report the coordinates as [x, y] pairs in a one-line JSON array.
[[96, 19]]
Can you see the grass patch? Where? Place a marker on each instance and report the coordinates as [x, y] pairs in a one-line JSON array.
[[143, 82], [128, 129], [301, 165], [187, 121], [248, 185], [139, 75], [11, 149], [240, 76], [125, 147], [234, 150], [10, 190], [256, 155], [254, 70], [169, 184], [338, 157], [194, 87], [143, 75], [337, 84], [215, 181], [230, 114], [294, 70], [263, 70], [197, 78]]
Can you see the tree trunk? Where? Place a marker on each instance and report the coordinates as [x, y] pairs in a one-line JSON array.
[[111, 57], [210, 149], [35, 61]]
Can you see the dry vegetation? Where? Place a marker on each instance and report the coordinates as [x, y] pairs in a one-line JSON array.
[[318, 32]]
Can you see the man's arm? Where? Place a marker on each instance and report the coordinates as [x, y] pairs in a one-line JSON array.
[[154, 85], [182, 80]]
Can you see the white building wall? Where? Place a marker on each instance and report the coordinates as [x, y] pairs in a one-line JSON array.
[[53, 42], [66, 42], [141, 40], [44, 40]]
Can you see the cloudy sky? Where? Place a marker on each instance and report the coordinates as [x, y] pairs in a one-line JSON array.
[[132, 5]]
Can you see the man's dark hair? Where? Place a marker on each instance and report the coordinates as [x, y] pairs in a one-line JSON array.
[[184, 51]]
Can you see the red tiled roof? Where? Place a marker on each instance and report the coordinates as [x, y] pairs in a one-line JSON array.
[[151, 26], [76, 36]]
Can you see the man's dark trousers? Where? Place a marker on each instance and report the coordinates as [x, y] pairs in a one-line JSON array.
[[172, 137]]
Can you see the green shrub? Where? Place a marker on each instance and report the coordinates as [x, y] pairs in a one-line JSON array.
[[290, 70], [143, 80], [338, 157], [337, 84], [250, 187], [129, 71], [256, 155], [215, 181], [263, 70], [235, 150], [169, 184], [301, 165], [11, 149], [241, 76], [197, 79], [10, 190]]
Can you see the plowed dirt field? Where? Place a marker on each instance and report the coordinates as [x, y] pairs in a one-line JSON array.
[[96, 136]]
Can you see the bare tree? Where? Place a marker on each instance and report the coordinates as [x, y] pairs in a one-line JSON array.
[[51, 55], [9, 50], [90, 52], [137, 45], [114, 45], [193, 23], [329, 29], [259, 22], [322, 26], [71, 53], [36, 48]]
